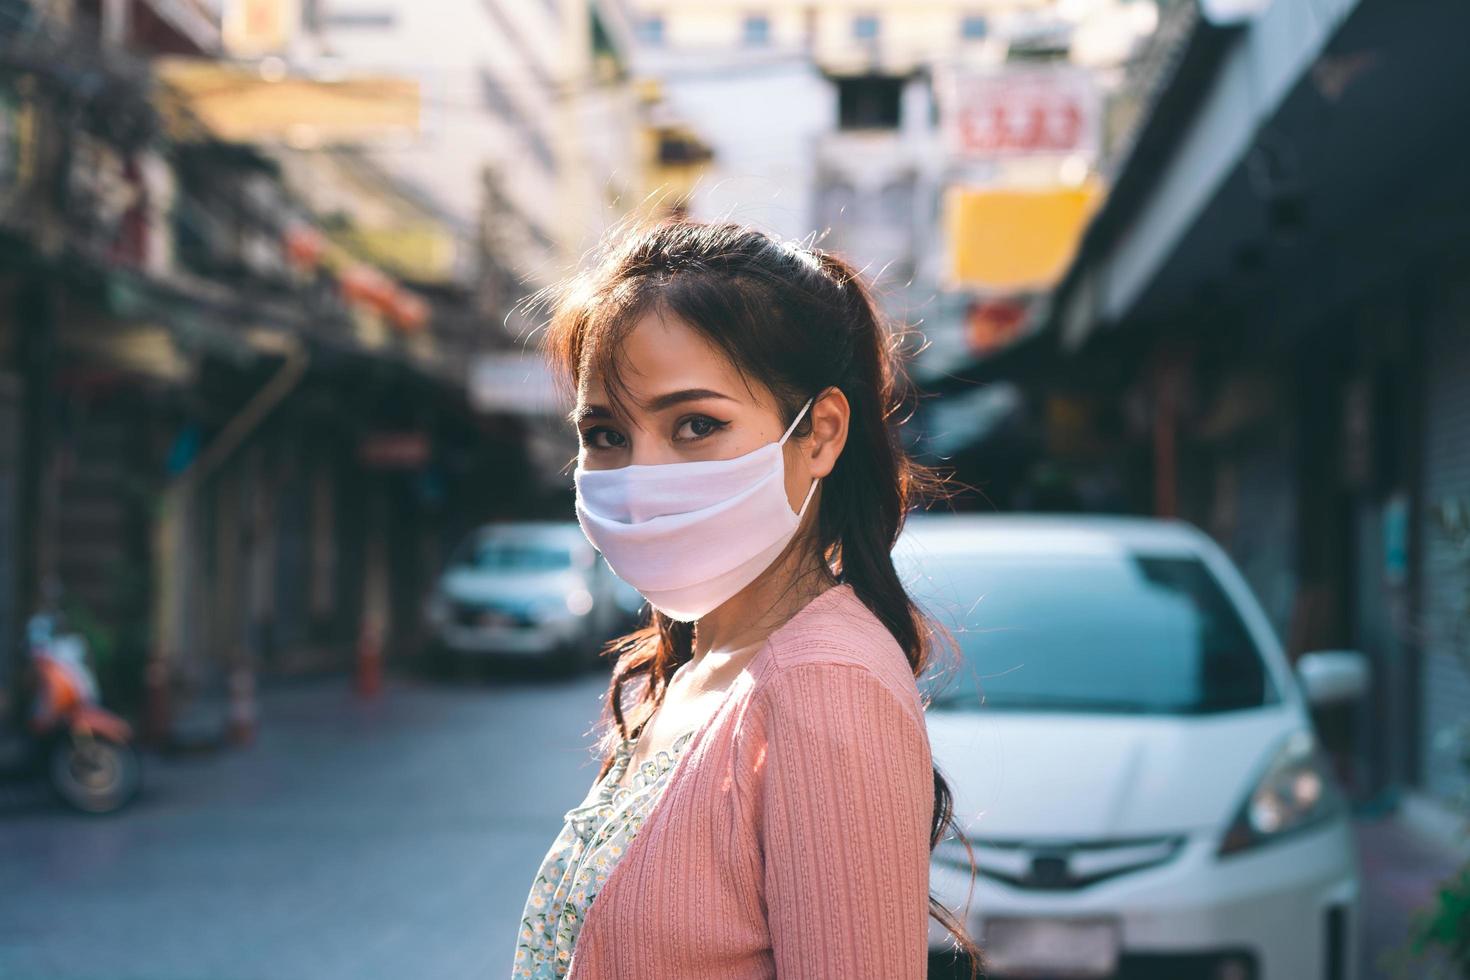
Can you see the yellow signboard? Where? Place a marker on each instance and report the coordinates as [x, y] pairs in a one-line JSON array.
[[239, 105], [1015, 239]]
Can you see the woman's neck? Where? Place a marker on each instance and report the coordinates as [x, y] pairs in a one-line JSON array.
[[744, 621]]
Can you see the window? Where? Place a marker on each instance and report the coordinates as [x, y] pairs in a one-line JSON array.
[[493, 96], [1111, 633], [756, 32], [510, 549], [868, 102], [896, 202], [973, 27], [651, 31], [865, 27], [519, 556], [678, 147], [363, 18]]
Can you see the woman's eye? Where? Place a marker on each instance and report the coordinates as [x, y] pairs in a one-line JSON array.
[[603, 438], [697, 427]]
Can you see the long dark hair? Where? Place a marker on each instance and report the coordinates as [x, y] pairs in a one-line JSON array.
[[797, 320]]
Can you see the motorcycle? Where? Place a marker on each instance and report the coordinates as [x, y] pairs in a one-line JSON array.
[[86, 752]]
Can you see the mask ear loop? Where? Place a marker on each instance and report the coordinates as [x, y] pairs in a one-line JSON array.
[[792, 427], [815, 480], [809, 491]]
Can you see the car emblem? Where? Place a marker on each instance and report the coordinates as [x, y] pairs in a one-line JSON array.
[[1049, 871]]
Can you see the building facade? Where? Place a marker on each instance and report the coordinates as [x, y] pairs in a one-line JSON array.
[[236, 433], [522, 126], [1259, 337], [827, 121]]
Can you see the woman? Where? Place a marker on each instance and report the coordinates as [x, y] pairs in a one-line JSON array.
[[767, 802]]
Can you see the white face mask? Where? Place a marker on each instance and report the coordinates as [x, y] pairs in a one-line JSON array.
[[688, 536]]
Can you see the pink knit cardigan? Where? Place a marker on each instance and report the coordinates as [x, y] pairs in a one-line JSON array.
[[792, 838]]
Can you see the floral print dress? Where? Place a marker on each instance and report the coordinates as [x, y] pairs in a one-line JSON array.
[[596, 833]]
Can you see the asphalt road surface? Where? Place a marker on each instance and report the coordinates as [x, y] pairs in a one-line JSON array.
[[353, 840]]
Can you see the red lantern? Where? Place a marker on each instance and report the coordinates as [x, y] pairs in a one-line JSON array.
[[409, 311], [362, 284], [304, 246]]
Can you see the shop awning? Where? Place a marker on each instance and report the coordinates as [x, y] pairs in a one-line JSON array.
[[1147, 251], [239, 103]]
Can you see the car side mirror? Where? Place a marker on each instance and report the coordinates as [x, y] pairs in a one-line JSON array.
[[1332, 676]]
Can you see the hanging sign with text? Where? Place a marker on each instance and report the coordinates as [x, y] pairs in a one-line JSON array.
[[1020, 111]]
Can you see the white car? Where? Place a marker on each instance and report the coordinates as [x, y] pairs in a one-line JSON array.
[[529, 591], [1131, 756]]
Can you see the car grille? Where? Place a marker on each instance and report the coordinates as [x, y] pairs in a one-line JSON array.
[[1059, 865], [477, 614]]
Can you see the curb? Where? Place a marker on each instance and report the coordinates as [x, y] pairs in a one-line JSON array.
[[1435, 822]]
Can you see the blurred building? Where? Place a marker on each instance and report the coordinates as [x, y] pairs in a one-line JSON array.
[[843, 121], [528, 143], [1266, 331], [520, 136], [237, 343]]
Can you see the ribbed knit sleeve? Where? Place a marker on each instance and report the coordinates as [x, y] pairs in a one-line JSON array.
[[845, 804]]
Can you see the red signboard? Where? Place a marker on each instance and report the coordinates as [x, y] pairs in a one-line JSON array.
[[1021, 112]]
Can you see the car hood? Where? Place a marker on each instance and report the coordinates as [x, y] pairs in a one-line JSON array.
[[476, 586], [1052, 775]]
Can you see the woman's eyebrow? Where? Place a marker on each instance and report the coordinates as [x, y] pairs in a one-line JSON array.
[[660, 402], [590, 412]]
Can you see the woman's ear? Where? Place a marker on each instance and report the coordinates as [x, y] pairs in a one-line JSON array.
[[830, 415]]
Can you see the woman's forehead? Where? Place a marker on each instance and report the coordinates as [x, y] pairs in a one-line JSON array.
[[660, 353]]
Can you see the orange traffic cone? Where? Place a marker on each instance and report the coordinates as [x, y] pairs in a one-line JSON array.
[[242, 716], [158, 714], [369, 661]]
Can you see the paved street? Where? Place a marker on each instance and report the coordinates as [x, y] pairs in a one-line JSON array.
[[1403, 872], [390, 839], [357, 840]]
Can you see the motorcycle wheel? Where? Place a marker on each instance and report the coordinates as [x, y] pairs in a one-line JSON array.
[[95, 775]]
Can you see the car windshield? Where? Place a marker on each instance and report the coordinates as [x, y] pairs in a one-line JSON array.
[[1121, 633], [490, 553]]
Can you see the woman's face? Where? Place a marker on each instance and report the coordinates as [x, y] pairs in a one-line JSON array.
[[685, 401]]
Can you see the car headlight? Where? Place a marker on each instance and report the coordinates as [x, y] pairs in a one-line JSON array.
[[579, 602], [1296, 791]]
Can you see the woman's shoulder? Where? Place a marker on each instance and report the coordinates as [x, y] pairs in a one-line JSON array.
[[836, 646]]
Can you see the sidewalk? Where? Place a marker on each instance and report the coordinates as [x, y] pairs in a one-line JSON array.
[[1405, 856]]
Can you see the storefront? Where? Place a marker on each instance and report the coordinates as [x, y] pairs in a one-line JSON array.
[[1277, 289]]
